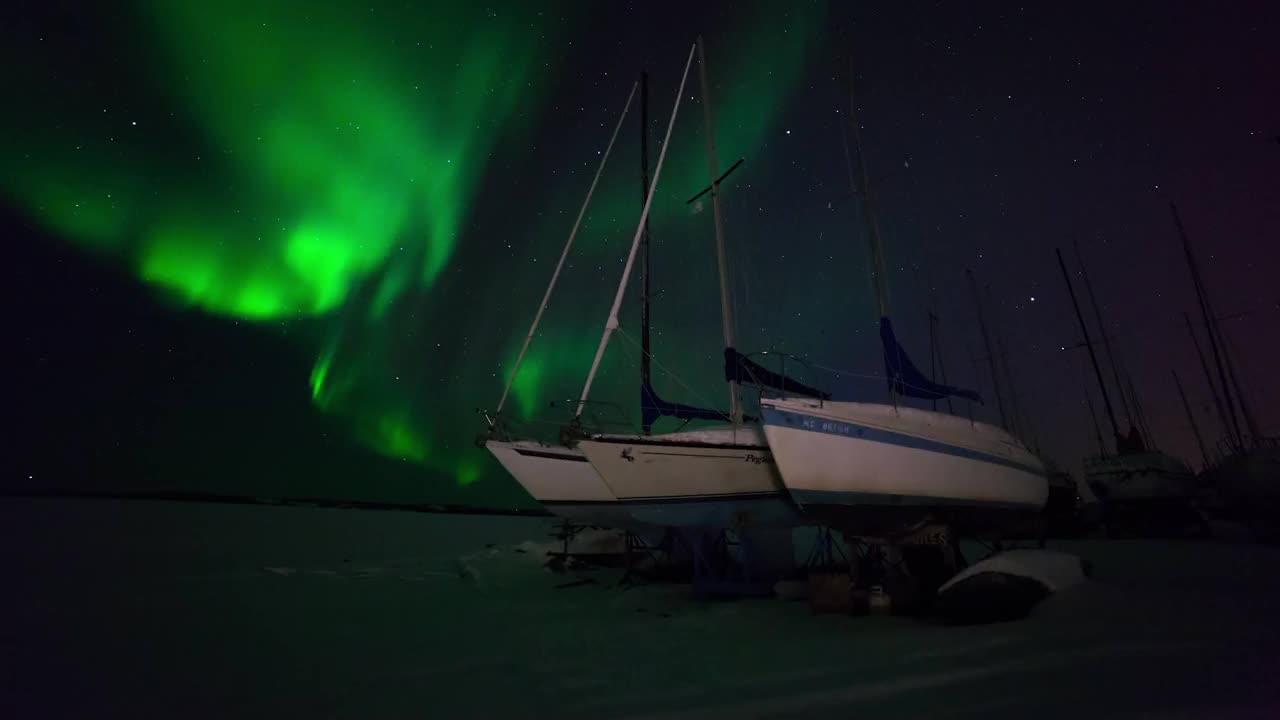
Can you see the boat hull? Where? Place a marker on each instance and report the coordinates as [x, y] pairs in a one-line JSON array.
[[1140, 477], [882, 471], [563, 481], [722, 478]]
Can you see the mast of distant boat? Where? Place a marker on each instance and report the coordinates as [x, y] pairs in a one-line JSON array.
[[991, 353], [722, 261], [1228, 352], [1093, 415], [1195, 428], [936, 365], [1016, 418], [1208, 377], [1093, 357], [1102, 328], [1233, 426], [1138, 418]]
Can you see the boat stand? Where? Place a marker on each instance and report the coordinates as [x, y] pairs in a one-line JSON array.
[[643, 561], [564, 559], [565, 532], [824, 553], [724, 563]]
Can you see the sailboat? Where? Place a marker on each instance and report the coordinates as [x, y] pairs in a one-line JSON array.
[[557, 476], [717, 477], [888, 470], [1243, 473], [1141, 488]]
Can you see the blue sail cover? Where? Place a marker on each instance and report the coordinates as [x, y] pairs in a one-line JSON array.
[[905, 379], [653, 407], [741, 369]]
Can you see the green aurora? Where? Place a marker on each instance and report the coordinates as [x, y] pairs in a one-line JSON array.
[[323, 169]]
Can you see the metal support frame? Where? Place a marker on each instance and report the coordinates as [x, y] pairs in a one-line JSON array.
[[716, 570], [825, 550]]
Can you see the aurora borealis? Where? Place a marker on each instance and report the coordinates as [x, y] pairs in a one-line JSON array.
[[381, 190]]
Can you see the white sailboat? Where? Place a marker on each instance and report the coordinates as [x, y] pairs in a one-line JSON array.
[[563, 481], [561, 477], [558, 477], [721, 477], [886, 470], [881, 470]]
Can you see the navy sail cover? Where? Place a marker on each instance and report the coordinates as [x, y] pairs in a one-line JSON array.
[[905, 379], [741, 369], [737, 367], [653, 407]]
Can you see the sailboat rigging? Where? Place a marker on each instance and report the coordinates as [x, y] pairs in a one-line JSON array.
[[717, 477]]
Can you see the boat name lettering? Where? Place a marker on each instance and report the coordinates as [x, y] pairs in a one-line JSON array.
[[827, 427], [755, 459]]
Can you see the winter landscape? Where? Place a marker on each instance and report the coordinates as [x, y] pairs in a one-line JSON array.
[[185, 610]]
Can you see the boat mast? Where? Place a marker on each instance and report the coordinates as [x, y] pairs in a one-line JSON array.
[[933, 349], [1015, 411], [645, 372], [722, 260], [1138, 417], [1250, 421], [546, 296], [1102, 328], [1234, 427], [991, 353], [1093, 414], [942, 370], [611, 323], [1195, 429], [1208, 377], [1093, 357], [862, 188], [935, 357]]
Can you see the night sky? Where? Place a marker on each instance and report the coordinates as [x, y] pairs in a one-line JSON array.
[[283, 249]]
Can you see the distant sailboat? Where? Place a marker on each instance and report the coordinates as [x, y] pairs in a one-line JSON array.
[[888, 470], [1243, 472], [1141, 489]]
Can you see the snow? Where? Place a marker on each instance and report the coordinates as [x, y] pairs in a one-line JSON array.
[[152, 609]]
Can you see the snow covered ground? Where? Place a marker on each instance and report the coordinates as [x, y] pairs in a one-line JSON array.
[[153, 609]]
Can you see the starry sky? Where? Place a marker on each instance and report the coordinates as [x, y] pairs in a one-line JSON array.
[[284, 249]]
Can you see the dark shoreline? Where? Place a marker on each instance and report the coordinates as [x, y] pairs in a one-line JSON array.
[[204, 497]]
